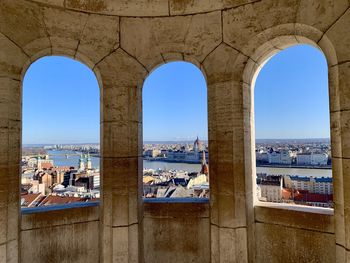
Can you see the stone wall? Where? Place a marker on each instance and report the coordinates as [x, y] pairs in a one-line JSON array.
[[70, 235], [122, 42]]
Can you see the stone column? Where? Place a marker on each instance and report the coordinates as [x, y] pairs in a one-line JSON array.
[[226, 147], [12, 59], [121, 157], [336, 42]]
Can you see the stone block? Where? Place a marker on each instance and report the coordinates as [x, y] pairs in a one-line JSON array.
[[339, 36], [119, 69], [122, 104], [65, 29], [320, 14], [12, 59], [99, 38], [121, 8], [121, 139], [31, 35], [240, 25], [344, 86], [233, 245], [180, 7], [219, 65], [195, 36]]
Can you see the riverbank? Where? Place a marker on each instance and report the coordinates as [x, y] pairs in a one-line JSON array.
[[328, 167]]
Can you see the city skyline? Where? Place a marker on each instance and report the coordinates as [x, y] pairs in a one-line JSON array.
[[175, 108]]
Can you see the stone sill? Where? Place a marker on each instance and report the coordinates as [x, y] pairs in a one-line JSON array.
[[43, 209], [176, 200], [300, 208], [295, 216]]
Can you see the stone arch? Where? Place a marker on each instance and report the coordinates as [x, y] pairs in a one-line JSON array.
[[269, 43], [166, 57]]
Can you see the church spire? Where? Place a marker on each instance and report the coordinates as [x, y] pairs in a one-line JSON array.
[[205, 168]]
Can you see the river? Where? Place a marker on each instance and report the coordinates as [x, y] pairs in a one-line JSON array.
[[61, 160]]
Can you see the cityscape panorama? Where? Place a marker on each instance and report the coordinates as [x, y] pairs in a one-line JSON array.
[[61, 132]]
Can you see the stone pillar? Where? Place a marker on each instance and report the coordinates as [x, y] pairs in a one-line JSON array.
[[121, 157], [10, 136], [226, 146], [334, 43], [12, 60]]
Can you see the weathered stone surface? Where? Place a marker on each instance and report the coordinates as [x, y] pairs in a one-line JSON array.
[[63, 243], [59, 3], [275, 243], [60, 217], [12, 58], [340, 37], [31, 35], [119, 69], [295, 219], [343, 71], [320, 13], [181, 7], [219, 65], [239, 26], [121, 176], [345, 133], [122, 8], [193, 35], [280, 12], [165, 226], [96, 46], [65, 29]]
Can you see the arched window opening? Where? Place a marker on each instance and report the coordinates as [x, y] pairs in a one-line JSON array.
[[292, 128], [175, 133], [60, 134]]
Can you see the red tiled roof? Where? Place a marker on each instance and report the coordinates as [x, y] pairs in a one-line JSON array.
[[51, 200], [46, 165], [311, 197], [29, 198]]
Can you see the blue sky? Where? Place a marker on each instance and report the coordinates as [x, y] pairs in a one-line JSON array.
[[61, 100], [291, 96]]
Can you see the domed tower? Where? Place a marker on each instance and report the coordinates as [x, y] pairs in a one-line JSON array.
[[197, 145]]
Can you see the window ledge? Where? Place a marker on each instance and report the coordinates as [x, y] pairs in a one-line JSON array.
[[176, 200], [298, 208], [42, 209]]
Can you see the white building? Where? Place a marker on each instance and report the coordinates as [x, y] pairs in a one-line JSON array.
[[280, 157], [304, 158], [262, 157], [319, 159], [271, 189]]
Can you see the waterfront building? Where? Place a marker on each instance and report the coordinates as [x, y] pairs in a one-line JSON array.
[[319, 159], [304, 158], [262, 157], [280, 157]]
